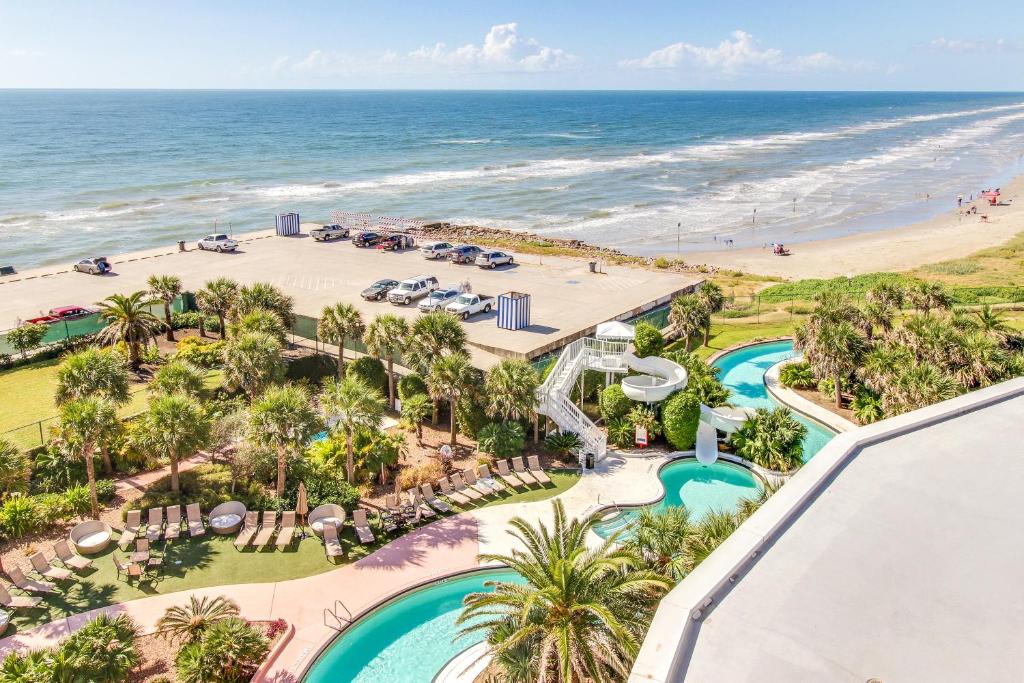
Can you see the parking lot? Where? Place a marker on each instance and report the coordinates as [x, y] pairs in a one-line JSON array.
[[567, 300]]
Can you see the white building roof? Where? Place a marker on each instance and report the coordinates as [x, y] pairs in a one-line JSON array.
[[896, 554]]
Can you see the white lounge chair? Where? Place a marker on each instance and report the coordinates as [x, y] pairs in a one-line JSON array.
[[48, 571], [132, 522], [460, 485], [520, 469], [469, 474], [267, 530], [173, 528], [249, 528], [68, 557], [362, 525], [332, 546], [416, 500], [451, 494], [155, 529], [507, 476], [537, 471], [496, 484], [284, 536], [17, 601], [195, 520], [28, 585], [434, 501]]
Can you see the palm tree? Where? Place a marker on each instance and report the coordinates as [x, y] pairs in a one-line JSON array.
[[81, 424], [882, 363], [583, 612], [357, 405], [14, 468], [385, 335], [928, 296], [712, 530], [174, 426], [450, 377], [835, 352], [979, 360], [877, 315], [178, 377], [688, 316], [338, 323], [710, 296], [218, 297], [434, 335], [129, 320], [187, 623], [917, 386], [262, 295], [284, 419], [260, 320], [511, 389], [93, 372], [166, 288], [772, 439], [415, 410], [661, 538], [887, 295], [994, 323], [252, 362]]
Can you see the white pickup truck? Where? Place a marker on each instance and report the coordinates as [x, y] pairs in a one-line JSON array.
[[469, 304]]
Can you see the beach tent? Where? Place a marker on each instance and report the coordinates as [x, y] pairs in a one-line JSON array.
[[615, 330]]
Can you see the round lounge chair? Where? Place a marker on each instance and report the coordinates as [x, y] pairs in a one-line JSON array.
[[329, 513], [91, 537], [226, 518]]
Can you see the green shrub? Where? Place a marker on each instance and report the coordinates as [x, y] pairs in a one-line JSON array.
[[827, 387], [105, 490], [208, 485], [798, 376], [313, 368], [647, 340], [102, 650], [55, 469], [201, 352], [371, 371], [18, 516], [614, 403], [190, 320], [230, 652], [562, 443], [866, 406], [470, 414], [772, 439], [622, 432], [78, 499], [324, 484], [680, 417], [410, 385], [51, 508], [502, 439]]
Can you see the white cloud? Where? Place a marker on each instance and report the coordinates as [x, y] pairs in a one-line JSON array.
[[732, 56], [960, 46], [502, 50], [18, 52]]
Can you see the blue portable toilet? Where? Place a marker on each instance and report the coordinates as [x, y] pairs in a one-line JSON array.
[[513, 310]]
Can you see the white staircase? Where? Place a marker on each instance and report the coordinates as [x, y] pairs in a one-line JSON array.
[[554, 395]]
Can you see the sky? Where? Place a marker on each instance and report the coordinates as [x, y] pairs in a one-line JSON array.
[[469, 44]]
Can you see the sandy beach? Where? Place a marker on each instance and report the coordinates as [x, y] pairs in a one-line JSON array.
[[948, 236]]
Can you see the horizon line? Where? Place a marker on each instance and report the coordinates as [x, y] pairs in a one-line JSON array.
[[522, 90]]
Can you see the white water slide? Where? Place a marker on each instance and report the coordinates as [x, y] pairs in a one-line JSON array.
[[660, 379]]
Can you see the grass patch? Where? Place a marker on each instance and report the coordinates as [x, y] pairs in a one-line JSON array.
[[964, 266], [561, 481], [811, 287], [724, 335]]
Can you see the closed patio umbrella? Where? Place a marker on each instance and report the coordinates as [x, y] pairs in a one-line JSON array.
[[302, 507]]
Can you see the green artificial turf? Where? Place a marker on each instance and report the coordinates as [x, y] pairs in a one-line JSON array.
[[561, 481]]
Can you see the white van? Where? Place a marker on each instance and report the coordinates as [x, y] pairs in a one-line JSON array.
[[414, 288]]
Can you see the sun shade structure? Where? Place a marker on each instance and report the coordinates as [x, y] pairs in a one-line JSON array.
[[615, 330]]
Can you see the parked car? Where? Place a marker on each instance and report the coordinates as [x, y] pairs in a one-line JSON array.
[[93, 266], [464, 253], [217, 243], [329, 232], [61, 313], [439, 298], [466, 305], [493, 259], [414, 288], [393, 242], [436, 251], [366, 239], [378, 290]]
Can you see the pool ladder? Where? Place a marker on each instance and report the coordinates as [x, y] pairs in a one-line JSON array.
[[337, 621]]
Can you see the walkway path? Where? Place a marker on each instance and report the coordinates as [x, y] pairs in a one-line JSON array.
[[433, 551]]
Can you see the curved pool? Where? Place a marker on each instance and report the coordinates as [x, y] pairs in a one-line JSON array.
[[701, 488], [408, 639], [742, 372]]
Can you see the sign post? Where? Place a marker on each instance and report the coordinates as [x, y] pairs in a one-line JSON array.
[[641, 436]]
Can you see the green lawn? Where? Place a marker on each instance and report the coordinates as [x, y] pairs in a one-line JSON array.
[[724, 335], [561, 481], [30, 390]]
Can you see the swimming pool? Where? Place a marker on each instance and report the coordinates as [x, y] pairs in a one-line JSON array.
[[701, 488], [408, 639], [742, 372]]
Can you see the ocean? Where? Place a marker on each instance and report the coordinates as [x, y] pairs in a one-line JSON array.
[[86, 173]]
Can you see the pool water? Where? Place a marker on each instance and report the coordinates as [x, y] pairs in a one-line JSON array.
[[701, 488], [409, 639], [742, 372]]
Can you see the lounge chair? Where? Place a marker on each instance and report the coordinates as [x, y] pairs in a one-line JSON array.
[[28, 585], [451, 494], [332, 546], [195, 520], [68, 557], [416, 500], [48, 571], [434, 501], [132, 523], [17, 601], [144, 557], [267, 530], [507, 476], [469, 474], [520, 469], [496, 484], [362, 525], [393, 503], [129, 570], [537, 471], [249, 527], [460, 485], [155, 529], [284, 536], [173, 528]]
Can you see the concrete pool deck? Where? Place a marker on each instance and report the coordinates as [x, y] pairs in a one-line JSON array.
[[567, 301]]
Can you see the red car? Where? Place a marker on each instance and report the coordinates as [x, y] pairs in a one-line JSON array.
[[393, 243]]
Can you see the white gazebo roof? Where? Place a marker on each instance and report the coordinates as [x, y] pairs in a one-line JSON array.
[[615, 329]]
